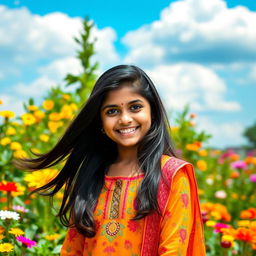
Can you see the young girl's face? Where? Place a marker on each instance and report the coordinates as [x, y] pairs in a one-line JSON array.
[[125, 116]]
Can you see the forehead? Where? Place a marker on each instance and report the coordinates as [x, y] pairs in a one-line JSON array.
[[122, 95]]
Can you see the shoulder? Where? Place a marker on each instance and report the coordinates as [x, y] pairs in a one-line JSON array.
[[170, 165]]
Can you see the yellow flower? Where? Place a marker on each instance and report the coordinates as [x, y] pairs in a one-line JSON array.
[[20, 154], [2, 236], [44, 137], [66, 112], [21, 190], [32, 108], [216, 215], [59, 195], [48, 104], [243, 223], [210, 223], [1, 102], [174, 128], [15, 146], [228, 238], [7, 114], [73, 106], [28, 119], [39, 115], [253, 225], [10, 131], [202, 152], [4, 141], [35, 150], [52, 237], [40, 178], [200, 192], [6, 247], [54, 116], [15, 123], [16, 231], [234, 195], [53, 126], [201, 165], [193, 147], [66, 96]]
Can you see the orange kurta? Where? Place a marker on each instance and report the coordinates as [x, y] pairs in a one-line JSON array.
[[117, 234]]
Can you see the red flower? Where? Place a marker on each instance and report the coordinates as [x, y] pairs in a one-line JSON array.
[[226, 244], [8, 186], [244, 234]]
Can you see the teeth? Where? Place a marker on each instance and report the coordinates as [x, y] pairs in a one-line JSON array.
[[124, 131]]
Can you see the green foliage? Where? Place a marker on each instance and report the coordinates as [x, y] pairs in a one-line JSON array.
[[87, 78], [250, 134]]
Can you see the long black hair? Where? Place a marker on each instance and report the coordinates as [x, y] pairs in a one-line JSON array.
[[88, 153]]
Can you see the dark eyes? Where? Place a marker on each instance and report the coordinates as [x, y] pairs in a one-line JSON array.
[[133, 108]]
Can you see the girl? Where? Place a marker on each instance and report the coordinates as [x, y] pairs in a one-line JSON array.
[[126, 193]]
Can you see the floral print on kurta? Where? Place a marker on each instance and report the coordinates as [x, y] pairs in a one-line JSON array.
[[117, 234]]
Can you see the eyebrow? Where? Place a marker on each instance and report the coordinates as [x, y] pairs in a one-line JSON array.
[[114, 106]]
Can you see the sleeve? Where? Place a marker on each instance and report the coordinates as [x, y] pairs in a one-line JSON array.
[[73, 244], [177, 221]]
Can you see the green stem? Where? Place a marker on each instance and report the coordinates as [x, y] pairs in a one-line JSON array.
[[8, 200]]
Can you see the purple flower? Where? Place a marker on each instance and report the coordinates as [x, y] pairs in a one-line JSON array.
[[239, 165], [29, 243], [253, 178]]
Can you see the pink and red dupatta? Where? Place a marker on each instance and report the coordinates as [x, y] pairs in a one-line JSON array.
[[196, 246]]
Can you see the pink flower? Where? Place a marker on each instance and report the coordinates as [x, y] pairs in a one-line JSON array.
[[239, 165], [253, 178], [219, 226], [29, 243]]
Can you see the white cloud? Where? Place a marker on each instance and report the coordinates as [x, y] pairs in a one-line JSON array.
[[37, 88], [59, 68], [196, 31], [252, 74], [199, 86], [227, 134], [26, 38]]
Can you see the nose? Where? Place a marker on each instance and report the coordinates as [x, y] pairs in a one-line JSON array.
[[125, 118]]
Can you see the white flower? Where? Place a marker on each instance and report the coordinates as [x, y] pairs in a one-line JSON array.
[[220, 194], [209, 181], [9, 215]]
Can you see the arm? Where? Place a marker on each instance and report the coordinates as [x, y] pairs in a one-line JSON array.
[[177, 220], [73, 244]]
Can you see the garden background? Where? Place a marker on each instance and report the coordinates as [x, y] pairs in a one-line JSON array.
[[208, 51]]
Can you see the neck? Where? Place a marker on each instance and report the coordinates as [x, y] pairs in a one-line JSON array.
[[127, 155]]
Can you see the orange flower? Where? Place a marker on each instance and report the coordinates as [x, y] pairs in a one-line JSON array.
[[48, 104], [201, 165], [248, 214], [244, 234], [234, 175]]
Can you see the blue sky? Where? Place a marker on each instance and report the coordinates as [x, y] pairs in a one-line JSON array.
[[196, 51]]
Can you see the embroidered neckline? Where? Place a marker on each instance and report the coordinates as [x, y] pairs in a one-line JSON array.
[[124, 177]]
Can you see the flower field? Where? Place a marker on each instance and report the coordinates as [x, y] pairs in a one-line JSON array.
[[28, 222], [28, 226]]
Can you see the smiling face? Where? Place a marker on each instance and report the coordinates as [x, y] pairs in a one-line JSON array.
[[125, 116]]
